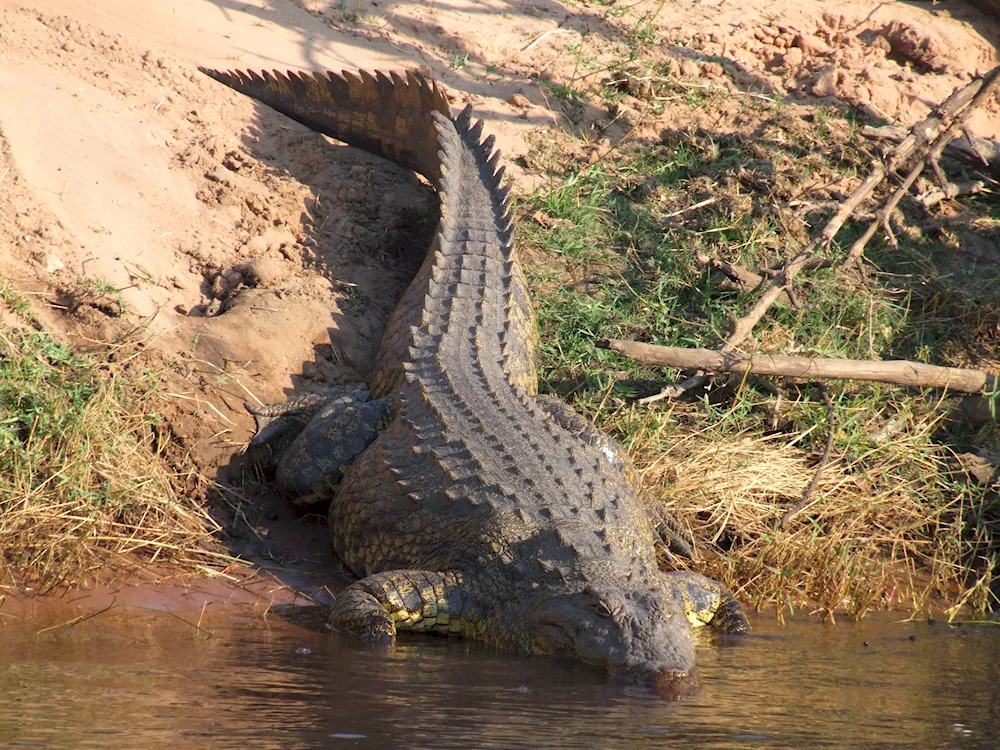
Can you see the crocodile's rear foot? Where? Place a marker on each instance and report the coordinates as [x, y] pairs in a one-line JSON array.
[[308, 442]]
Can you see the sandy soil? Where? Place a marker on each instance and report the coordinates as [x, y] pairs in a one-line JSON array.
[[259, 260]]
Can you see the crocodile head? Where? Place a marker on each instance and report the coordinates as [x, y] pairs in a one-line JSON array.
[[639, 633]]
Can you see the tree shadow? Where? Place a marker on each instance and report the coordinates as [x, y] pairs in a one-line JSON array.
[[323, 31]]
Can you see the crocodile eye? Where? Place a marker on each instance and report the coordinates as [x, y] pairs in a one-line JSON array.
[[600, 608]]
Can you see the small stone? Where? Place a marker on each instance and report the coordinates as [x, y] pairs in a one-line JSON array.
[[689, 69], [826, 82], [793, 57], [256, 246], [263, 271], [220, 287], [712, 70], [518, 100], [53, 264], [812, 45]]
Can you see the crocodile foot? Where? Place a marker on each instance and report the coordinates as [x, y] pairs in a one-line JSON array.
[[706, 602], [308, 442]]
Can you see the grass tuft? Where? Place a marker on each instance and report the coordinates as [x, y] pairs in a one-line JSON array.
[[84, 476]]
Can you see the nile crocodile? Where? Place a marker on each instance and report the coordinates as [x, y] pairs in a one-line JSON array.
[[473, 505]]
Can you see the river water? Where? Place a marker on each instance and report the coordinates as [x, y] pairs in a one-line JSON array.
[[138, 679]]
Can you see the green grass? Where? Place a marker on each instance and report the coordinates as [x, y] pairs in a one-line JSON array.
[[84, 475], [610, 253]]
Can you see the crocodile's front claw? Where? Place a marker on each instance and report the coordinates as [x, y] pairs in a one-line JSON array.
[[729, 616], [707, 602], [358, 612], [279, 425]]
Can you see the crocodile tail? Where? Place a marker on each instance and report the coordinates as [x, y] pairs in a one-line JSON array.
[[387, 115]]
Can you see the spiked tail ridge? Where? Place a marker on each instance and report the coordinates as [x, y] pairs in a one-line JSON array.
[[387, 115], [384, 114]]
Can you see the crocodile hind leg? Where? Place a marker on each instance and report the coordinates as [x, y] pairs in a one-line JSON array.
[[707, 602], [378, 606], [310, 440]]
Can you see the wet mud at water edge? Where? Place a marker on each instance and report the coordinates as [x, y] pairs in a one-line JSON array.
[[142, 679]]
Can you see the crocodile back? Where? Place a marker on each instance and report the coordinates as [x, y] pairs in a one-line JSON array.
[[473, 471], [472, 474]]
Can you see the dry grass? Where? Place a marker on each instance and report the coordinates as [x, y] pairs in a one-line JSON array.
[[866, 540], [85, 480]]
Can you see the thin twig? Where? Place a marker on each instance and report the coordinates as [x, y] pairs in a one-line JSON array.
[[831, 426], [700, 204], [738, 92], [208, 633], [543, 35], [77, 620]]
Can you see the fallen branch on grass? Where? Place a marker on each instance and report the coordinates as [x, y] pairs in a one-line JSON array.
[[926, 140], [950, 190], [744, 279], [901, 372]]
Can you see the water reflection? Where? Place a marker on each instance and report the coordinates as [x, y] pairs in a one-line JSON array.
[[144, 680]]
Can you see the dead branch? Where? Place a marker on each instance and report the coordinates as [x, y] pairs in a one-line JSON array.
[[900, 372], [977, 152], [742, 278], [823, 461], [951, 190], [920, 135], [929, 138], [987, 88]]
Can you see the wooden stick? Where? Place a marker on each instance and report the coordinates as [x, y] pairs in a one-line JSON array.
[[979, 152], [951, 190], [925, 137], [901, 372]]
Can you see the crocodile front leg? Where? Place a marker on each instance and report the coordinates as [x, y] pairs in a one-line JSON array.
[[707, 602], [378, 606], [310, 440]]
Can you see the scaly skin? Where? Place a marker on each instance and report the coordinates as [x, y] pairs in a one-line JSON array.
[[482, 508]]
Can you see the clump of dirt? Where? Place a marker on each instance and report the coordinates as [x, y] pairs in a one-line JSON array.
[[884, 66]]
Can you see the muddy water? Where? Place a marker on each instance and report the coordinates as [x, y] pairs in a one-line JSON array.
[[139, 679]]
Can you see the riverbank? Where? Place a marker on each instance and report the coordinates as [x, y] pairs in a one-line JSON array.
[[171, 251]]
